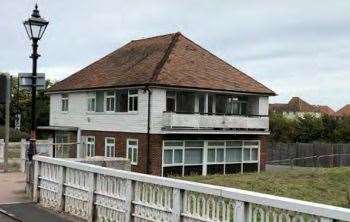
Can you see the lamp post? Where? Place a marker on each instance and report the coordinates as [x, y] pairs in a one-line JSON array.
[[35, 27]]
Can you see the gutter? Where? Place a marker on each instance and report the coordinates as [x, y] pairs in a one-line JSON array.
[[148, 128]]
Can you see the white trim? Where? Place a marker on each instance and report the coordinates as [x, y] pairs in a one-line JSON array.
[[283, 203], [106, 97], [93, 152], [132, 152], [114, 142]]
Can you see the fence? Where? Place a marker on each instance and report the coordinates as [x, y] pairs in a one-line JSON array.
[[2, 146], [309, 154], [96, 193]]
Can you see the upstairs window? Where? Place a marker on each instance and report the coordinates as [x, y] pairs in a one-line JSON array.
[[122, 100], [64, 103], [91, 102], [170, 101], [132, 98], [110, 101]]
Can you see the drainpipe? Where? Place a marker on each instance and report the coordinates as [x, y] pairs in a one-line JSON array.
[[148, 128]]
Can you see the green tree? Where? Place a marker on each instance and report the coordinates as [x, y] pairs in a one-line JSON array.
[[282, 128]]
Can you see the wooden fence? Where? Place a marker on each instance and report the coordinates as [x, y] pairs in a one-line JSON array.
[[95, 193], [325, 154]]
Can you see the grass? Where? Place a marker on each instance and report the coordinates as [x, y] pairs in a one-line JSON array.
[[324, 185]]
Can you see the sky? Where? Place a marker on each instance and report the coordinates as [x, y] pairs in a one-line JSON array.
[[295, 47]]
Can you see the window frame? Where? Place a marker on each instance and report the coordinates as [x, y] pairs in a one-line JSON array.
[[132, 162], [133, 97], [107, 97], [90, 143], [107, 146], [90, 96], [64, 99]]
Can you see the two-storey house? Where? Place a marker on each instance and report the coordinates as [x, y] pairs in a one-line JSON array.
[[168, 105]]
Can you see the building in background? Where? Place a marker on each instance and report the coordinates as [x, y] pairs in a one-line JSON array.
[[344, 112], [168, 105], [296, 107]]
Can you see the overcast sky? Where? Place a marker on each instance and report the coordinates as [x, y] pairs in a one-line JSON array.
[[296, 47]]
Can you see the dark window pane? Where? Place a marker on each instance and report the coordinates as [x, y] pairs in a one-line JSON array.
[[99, 101], [210, 103], [220, 106], [201, 99], [122, 101], [244, 109], [185, 102], [135, 103], [170, 104]]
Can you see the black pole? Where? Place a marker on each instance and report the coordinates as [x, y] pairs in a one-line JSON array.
[[34, 56]]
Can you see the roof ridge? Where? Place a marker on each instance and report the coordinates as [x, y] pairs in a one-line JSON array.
[[228, 64], [152, 37], [161, 63]]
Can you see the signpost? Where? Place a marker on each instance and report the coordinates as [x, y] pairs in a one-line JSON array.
[[5, 99]]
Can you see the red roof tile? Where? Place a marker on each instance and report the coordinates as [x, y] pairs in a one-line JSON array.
[[169, 60], [345, 111]]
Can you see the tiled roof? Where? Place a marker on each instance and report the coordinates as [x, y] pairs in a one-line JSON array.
[[324, 110], [170, 60], [294, 105], [345, 111]]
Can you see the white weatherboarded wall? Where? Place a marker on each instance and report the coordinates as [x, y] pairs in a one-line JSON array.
[[78, 116]]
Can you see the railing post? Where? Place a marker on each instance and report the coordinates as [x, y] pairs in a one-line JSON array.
[[129, 198], [323, 219], [60, 191], [37, 166], [240, 212], [176, 208], [91, 193]]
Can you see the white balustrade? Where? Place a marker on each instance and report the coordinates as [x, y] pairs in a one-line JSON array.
[[96, 193]]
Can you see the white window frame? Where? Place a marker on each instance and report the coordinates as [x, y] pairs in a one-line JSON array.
[[110, 147], [92, 147], [91, 96], [132, 97], [64, 99], [106, 101], [133, 161], [205, 149]]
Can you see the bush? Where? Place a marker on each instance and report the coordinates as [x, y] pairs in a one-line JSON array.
[[15, 135]]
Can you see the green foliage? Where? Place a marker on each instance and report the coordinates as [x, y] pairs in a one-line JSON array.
[[309, 128], [15, 135], [21, 103]]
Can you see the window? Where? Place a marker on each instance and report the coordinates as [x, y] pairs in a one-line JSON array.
[[110, 101], [99, 101], [61, 146], [194, 151], [251, 151], [132, 151], [185, 102], [132, 98], [64, 103], [90, 146], [216, 151], [234, 151], [170, 101], [109, 147], [122, 100], [173, 152], [91, 103]]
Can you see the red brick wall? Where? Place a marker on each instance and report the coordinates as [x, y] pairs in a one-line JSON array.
[[156, 143], [121, 138]]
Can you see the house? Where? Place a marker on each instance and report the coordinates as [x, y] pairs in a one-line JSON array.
[[344, 112], [168, 105], [296, 107]]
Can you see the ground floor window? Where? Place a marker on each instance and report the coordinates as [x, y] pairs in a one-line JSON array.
[[62, 147], [132, 148], [109, 147], [186, 157], [89, 146]]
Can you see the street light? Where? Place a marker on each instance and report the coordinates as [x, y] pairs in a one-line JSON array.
[[35, 27]]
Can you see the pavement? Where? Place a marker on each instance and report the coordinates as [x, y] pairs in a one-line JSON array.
[[15, 206]]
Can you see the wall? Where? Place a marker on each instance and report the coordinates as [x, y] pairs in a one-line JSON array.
[[78, 116]]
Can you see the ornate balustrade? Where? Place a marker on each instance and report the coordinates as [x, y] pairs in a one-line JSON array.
[[96, 193]]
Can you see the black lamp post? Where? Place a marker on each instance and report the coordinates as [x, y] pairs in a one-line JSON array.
[[35, 27]]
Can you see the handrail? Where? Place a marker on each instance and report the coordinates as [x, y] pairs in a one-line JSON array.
[[216, 114], [310, 208]]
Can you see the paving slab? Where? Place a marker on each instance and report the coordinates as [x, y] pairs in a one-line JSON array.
[[31, 212], [12, 188]]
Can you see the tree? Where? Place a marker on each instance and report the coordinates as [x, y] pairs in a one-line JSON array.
[[282, 129]]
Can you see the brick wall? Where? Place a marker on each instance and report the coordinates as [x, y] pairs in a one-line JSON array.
[[156, 142]]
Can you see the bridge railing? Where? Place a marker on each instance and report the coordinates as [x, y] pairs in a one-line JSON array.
[[96, 193]]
